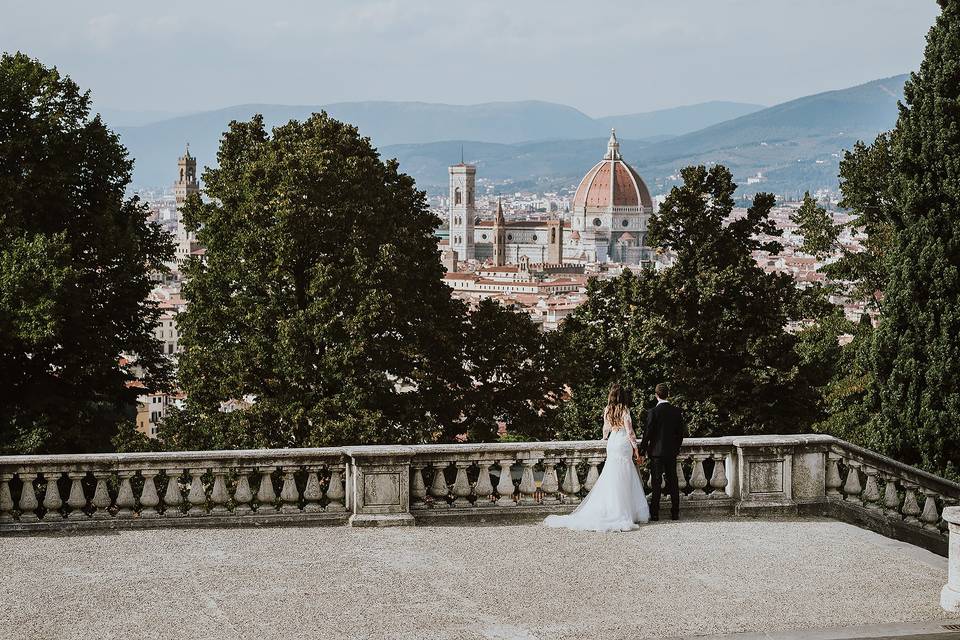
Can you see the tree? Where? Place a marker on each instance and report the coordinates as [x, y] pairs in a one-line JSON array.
[[713, 324], [509, 363], [75, 258], [916, 353], [319, 301], [864, 181]]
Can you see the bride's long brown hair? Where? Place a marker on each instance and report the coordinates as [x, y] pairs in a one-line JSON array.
[[618, 403]]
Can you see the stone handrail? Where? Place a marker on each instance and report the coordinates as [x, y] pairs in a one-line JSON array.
[[382, 485], [855, 475]]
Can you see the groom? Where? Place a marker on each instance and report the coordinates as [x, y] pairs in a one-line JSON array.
[[661, 441]]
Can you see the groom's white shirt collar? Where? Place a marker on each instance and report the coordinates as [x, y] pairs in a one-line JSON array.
[[661, 401]]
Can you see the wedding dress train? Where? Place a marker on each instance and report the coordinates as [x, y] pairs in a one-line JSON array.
[[617, 501]]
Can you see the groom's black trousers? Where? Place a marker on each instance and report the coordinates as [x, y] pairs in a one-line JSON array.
[[664, 467]]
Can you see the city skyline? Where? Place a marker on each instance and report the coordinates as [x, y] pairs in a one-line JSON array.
[[557, 52]]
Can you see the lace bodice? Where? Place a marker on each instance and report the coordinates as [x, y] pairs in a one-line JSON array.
[[627, 426]]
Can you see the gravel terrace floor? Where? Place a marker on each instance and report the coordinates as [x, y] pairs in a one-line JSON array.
[[504, 581]]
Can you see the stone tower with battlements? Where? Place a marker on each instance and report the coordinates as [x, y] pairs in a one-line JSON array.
[[187, 183]]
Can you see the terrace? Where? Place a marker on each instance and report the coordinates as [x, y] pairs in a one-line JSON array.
[[779, 534]]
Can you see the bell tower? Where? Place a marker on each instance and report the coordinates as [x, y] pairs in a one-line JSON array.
[[499, 237], [187, 183], [463, 209]]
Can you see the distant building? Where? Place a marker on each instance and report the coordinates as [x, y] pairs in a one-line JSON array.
[[608, 220]]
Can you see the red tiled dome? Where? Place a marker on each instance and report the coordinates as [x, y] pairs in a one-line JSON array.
[[612, 182]]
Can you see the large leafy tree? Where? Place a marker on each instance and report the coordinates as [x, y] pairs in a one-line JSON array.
[[916, 351], [713, 324], [511, 375], [319, 301], [75, 256], [860, 274]]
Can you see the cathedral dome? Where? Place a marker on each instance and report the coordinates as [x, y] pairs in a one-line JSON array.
[[612, 183]]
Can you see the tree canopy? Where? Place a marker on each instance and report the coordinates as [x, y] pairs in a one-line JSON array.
[[713, 324], [75, 259]]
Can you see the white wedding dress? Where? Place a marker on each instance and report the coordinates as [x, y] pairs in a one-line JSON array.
[[617, 501]]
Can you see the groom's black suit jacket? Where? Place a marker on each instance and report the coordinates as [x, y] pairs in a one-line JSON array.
[[664, 432]]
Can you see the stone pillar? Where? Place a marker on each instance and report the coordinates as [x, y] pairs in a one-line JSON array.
[[505, 486], [242, 495], [950, 595], [289, 494], [312, 493], [483, 490], [418, 489], [6, 500], [76, 500], [765, 474], [126, 502], [461, 486], [219, 496], [148, 496], [28, 498], [379, 486], [51, 497], [528, 487]]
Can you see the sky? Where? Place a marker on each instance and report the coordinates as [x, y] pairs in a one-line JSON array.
[[604, 57]]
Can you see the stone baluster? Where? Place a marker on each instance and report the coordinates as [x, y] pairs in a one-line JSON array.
[[418, 490], [832, 480], [438, 488], [930, 516], [718, 480], [891, 499], [242, 494], [461, 485], [505, 488], [910, 509], [6, 500], [173, 496], [871, 492], [312, 492], [335, 492], [698, 479], [550, 486], [593, 473], [483, 490], [197, 496], [51, 496], [126, 502], [77, 500], [852, 487], [149, 500], [289, 495], [571, 481], [28, 498], [528, 486], [101, 496], [266, 496], [681, 476], [219, 496]]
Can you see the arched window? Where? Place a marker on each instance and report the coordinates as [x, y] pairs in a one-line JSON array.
[[470, 197], [553, 235], [457, 196]]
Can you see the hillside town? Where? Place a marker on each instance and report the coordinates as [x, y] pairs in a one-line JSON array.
[[534, 252]]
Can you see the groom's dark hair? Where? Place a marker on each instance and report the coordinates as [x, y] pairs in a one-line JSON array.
[[662, 391]]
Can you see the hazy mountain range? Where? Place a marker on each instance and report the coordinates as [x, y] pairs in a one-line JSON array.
[[796, 144]]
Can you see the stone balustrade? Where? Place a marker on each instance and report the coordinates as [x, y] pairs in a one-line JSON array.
[[391, 485], [890, 497], [162, 489]]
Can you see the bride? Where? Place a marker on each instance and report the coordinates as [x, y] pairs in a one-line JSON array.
[[617, 501]]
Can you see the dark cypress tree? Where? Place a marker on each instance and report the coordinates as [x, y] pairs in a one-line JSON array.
[[916, 353]]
